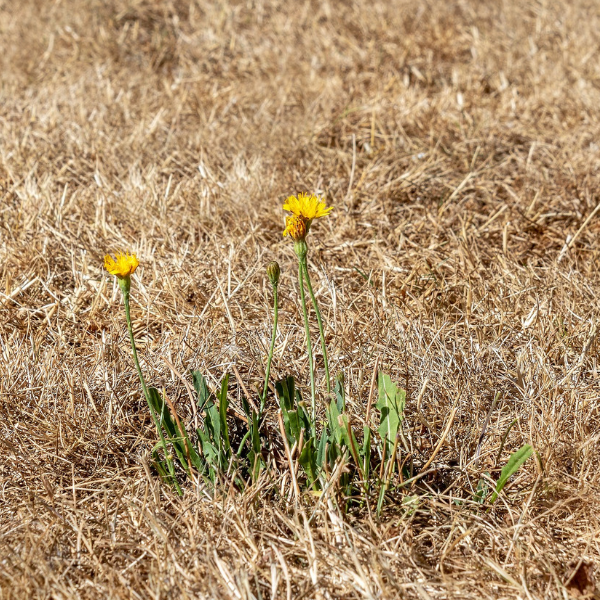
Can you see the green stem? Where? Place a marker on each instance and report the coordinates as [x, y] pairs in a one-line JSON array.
[[320, 322], [124, 285], [313, 425], [271, 349], [244, 440]]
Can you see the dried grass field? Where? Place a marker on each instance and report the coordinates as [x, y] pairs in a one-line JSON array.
[[458, 143]]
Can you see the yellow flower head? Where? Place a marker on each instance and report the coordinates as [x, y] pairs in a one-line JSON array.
[[308, 207], [304, 209], [123, 266]]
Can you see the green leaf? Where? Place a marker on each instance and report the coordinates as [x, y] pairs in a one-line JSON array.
[[333, 452], [340, 393], [162, 411], [209, 450], [349, 439], [308, 460], [255, 454], [390, 403], [366, 452], [285, 395], [333, 415], [223, 405], [212, 421], [201, 389], [514, 463], [391, 406], [321, 456], [166, 420], [214, 437], [247, 410], [295, 417], [294, 426], [195, 458], [285, 389]]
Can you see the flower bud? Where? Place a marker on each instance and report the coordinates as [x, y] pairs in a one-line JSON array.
[[301, 249], [273, 271]]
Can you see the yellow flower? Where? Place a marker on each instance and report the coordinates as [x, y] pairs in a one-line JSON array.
[[295, 227], [123, 266], [308, 207]]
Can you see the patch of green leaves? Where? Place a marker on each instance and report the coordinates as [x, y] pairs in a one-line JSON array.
[[295, 417]]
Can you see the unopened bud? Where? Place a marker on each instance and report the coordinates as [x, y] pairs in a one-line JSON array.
[[273, 271]]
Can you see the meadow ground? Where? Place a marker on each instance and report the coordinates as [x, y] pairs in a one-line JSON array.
[[459, 144]]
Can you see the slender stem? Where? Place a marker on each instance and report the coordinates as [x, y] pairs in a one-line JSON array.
[[244, 440], [313, 425], [271, 349], [145, 389], [133, 346], [320, 322]]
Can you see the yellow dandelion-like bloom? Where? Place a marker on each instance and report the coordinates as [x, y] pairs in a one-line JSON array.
[[308, 207], [295, 227], [123, 265]]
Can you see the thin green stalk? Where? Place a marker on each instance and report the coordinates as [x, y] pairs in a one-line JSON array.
[[313, 424], [320, 322], [242, 443], [124, 284], [271, 349]]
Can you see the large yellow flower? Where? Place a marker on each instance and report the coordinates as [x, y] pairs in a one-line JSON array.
[[123, 266], [308, 207]]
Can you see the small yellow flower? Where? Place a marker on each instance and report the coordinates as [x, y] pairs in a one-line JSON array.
[[295, 227], [123, 266], [307, 206]]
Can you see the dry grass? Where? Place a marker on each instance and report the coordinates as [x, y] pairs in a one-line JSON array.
[[459, 144]]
